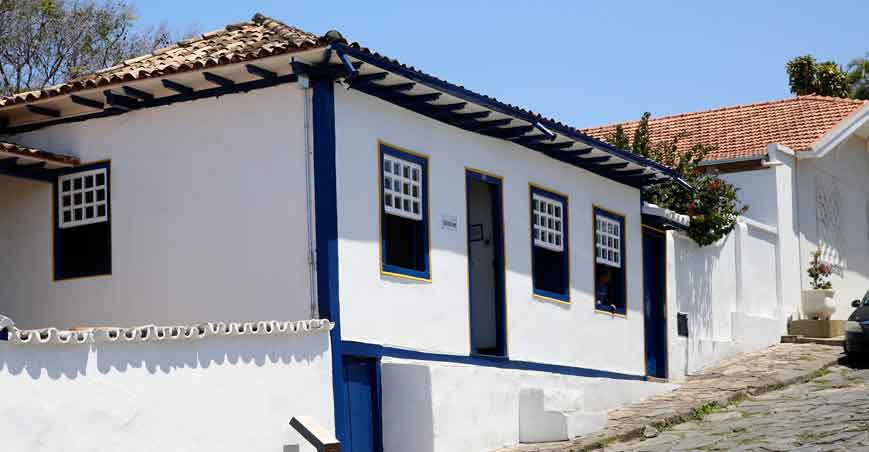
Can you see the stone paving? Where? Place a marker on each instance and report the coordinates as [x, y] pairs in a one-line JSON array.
[[830, 413], [732, 380]]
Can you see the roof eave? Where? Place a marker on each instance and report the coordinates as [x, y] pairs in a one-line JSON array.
[[841, 132], [661, 172]]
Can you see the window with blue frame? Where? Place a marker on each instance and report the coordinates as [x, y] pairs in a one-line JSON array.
[[550, 266], [404, 218], [82, 223], [609, 262]]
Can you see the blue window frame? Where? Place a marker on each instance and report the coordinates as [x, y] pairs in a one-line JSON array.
[[550, 253], [404, 216], [82, 222], [610, 293]]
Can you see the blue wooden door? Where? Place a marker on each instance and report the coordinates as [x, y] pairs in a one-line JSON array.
[[363, 405], [654, 294]]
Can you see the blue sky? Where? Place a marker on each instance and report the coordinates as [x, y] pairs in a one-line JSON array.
[[583, 63]]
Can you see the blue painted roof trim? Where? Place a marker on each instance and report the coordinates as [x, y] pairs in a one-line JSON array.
[[36, 171], [506, 109], [363, 349]]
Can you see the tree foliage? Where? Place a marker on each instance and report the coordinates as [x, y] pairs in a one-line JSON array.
[[806, 76], [45, 42], [858, 77], [713, 206]]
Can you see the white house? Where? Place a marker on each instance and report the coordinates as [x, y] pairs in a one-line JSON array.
[[801, 164], [483, 272]]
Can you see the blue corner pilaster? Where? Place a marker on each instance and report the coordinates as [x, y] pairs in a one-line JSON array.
[[326, 212]]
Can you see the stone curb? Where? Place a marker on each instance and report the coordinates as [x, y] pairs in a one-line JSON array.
[[688, 414]]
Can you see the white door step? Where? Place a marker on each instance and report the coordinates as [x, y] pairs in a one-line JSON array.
[[555, 415]]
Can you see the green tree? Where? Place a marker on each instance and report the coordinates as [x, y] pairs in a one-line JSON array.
[[831, 81], [713, 206], [858, 77], [642, 143], [806, 76], [619, 138], [801, 75], [45, 42]]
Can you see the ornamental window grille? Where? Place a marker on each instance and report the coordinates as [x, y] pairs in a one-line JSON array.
[[548, 222], [829, 218], [608, 241], [82, 198], [402, 193]]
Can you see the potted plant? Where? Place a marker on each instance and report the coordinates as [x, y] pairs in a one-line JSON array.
[[819, 302]]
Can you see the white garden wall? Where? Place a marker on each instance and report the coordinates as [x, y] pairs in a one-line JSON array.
[[211, 394], [443, 407], [433, 316], [208, 217], [729, 291]]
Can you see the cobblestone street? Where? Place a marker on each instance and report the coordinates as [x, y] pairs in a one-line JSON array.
[[829, 413]]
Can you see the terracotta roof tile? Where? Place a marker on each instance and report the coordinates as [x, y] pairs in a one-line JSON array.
[[746, 130], [258, 38], [21, 151]]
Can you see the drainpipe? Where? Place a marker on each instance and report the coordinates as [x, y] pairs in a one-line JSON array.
[[304, 84]]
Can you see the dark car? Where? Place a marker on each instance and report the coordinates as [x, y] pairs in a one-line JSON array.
[[857, 328]]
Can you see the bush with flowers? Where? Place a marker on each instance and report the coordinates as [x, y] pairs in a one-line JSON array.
[[819, 272], [713, 206]]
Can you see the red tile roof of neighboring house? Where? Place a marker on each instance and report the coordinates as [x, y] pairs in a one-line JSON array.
[[258, 38], [746, 130], [20, 151]]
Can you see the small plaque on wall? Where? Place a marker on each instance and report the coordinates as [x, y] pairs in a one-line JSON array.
[[449, 222]]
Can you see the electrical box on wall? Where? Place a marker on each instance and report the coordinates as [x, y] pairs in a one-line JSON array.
[[682, 324]]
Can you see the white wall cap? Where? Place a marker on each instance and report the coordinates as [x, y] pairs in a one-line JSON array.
[[653, 209], [153, 333], [757, 225]]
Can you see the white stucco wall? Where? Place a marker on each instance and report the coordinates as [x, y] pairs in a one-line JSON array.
[[757, 189], [208, 217], [214, 394], [729, 291], [846, 167], [434, 316], [444, 407]]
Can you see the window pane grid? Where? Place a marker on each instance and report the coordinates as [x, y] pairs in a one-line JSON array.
[[547, 221], [402, 193], [82, 198], [608, 241]]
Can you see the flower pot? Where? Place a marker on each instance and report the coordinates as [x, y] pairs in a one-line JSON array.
[[819, 304]]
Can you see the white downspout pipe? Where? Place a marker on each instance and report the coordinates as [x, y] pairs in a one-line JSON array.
[[303, 83]]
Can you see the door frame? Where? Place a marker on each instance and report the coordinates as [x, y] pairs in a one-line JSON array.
[[377, 402], [497, 183], [662, 235]]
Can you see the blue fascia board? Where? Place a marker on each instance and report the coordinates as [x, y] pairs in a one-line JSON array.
[[36, 172], [500, 107], [326, 213], [185, 94], [366, 350]]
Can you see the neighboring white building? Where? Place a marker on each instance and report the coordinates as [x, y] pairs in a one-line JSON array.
[[801, 164], [484, 272]]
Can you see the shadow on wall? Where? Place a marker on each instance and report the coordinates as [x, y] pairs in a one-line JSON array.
[[74, 361], [695, 267], [408, 422]]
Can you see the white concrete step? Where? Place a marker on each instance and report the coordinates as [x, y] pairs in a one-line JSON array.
[[555, 415]]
